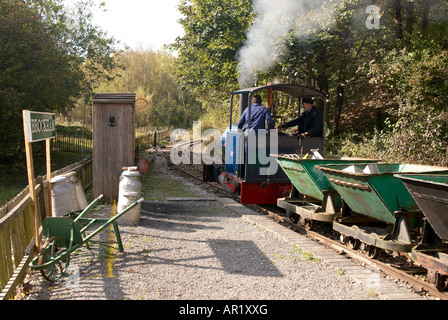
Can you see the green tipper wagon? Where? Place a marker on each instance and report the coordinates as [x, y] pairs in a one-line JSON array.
[[431, 194], [313, 197], [377, 196]]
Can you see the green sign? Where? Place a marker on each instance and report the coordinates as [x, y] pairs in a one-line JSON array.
[[40, 125]]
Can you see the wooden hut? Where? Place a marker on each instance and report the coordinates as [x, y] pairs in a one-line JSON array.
[[113, 141]]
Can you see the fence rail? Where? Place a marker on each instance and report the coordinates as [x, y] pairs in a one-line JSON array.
[[150, 137], [72, 139], [77, 139], [16, 228]]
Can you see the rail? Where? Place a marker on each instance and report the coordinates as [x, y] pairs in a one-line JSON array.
[[386, 268], [16, 228]]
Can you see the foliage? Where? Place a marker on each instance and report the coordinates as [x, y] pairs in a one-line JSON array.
[[161, 101], [386, 86], [50, 56], [13, 172], [415, 79], [214, 31], [74, 130]]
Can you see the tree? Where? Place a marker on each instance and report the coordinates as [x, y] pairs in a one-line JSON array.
[[376, 79], [163, 102], [214, 32], [49, 58], [415, 77], [34, 73]]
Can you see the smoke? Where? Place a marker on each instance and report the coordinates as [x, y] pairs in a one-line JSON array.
[[275, 21]]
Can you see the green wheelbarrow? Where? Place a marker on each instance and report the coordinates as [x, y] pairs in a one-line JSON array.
[[65, 235]]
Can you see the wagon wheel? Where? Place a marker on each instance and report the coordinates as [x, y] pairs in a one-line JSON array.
[[353, 243], [350, 242], [372, 252], [343, 238], [50, 252], [309, 224], [441, 282], [293, 217]]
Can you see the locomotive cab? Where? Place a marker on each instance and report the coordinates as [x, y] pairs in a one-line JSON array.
[[249, 169]]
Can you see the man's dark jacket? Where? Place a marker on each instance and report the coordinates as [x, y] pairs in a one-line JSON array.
[[310, 122]]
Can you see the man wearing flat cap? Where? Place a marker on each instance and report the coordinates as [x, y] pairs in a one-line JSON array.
[[310, 122]]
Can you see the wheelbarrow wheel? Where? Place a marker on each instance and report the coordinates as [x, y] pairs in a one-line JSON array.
[[50, 252]]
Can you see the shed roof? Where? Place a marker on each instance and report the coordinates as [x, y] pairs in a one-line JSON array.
[[114, 98]]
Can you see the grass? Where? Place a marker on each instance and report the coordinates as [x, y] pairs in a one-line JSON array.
[[305, 254], [13, 171], [14, 178], [157, 188]]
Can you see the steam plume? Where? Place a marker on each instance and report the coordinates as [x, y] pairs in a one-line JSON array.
[[275, 20]]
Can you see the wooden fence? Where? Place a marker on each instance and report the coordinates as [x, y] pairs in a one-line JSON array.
[[151, 136], [16, 228]]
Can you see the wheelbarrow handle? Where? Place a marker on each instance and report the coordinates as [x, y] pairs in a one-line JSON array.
[[110, 221], [89, 207]]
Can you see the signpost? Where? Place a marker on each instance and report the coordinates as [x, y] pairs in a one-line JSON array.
[[38, 126]]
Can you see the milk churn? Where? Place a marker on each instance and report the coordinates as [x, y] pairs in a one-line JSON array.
[[61, 196], [79, 195], [131, 217], [130, 190], [126, 169]]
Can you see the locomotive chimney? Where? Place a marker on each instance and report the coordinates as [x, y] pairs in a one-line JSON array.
[[244, 102]]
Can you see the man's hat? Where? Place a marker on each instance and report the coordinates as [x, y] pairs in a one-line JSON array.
[[307, 100]]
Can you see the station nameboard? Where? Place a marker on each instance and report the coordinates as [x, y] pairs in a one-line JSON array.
[[40, 125]]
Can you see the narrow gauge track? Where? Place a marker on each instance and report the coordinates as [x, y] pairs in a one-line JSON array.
[[398, 267]]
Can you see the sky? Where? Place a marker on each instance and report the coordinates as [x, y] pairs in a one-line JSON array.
[[148, 24]]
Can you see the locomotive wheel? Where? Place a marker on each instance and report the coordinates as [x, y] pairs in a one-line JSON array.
[[48, 253]]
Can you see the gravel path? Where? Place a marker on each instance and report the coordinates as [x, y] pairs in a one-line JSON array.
[[197, 250]]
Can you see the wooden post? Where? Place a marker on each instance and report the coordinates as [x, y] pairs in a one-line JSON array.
[[50, 210], [37, 127], [31, 184]]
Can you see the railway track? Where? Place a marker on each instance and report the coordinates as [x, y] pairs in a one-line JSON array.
[[397, 266]]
